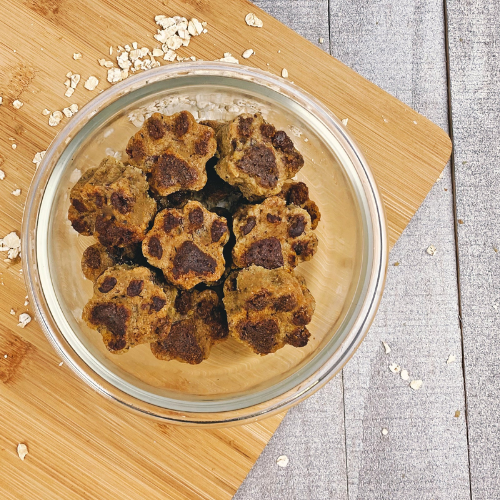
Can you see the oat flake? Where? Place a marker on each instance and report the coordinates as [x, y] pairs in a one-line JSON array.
[[17, 104], [91, 83], [77, 56], [24, 319], [344, 122], [395, 368], [385, 432], [16, 192], [247, 53], [451, 359], [416, 384], [252, 20], [432, 250], [22, 450], [405, 375], [386, 347], [284, 73], [2, 175], [282, 461]]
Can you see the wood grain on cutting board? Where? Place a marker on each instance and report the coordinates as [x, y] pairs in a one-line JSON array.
[[82, 446]]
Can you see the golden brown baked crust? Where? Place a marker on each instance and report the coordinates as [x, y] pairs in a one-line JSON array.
[[128, 308], [297, 193], [255, 157], [198, 323], [267, 309], [187, 245], [111, 201], [173, 150], [272, 235]]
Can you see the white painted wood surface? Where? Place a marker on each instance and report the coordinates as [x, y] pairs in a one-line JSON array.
[[401, 47]]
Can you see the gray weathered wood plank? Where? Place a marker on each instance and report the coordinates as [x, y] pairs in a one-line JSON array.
[[399, 45], [474, 40]]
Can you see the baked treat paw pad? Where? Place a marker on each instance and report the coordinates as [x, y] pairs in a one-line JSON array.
[[267, 309], [187, 245], [111, 201], [173, 151], [297, 193], [97, 258], [255, 157], [273, 235], [129, 308], [198, 323]]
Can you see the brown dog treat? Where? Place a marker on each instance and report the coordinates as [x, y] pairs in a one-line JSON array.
[[97, 258], [199, 322], [187, 245], [272, 235], [267, 309], [297, 193], [173, 151], [112, 202], [255, 157], [128, 308]]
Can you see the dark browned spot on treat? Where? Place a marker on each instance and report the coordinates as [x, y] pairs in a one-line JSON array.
[[108, 284], [282, 142], [201, 146], [266, 253], [154, 247], [259, 301], [261, 335], [181, 124], [161, 328], [313, 211], [110, 234], [170, 221], [121, 202], [213, 315], [248, 226], [234, 143], [117, 344], [218, 228], [298, 338], [301, 317], [156, 128], [79, 205], [92, 257], [80, 225], [181, 343], [169, 170], [245, 126], [232, 284], [259, 161], [302, 248], [297, 194], [157, 303], [135, 149], [178, 199], [183, 302], [296, 226], [196, 217], [273, 219], [113, 316], [292, 260], [135, 288], [294, 161], [190, 258], [99, 200], [285, 303], [267, 130]]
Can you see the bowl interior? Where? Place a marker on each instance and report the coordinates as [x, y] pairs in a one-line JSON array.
[[233, 376]]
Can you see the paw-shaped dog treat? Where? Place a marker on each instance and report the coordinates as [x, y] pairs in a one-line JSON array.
[[112, 202], [255, 157], [267, 309], [187, 245], [129, 308], [173, 151], [272, 235], [297, 193], [198, 323], [97, 258]]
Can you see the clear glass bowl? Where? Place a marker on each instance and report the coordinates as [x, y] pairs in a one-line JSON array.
[[346, 276]]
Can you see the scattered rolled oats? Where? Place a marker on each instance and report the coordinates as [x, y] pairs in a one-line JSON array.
[[24, 319], [111, 51], [14, 146], [16, 192], [77, 56], [38, 158], [229, 58], [157, 52], [2, 175], [321, 40], [386, 347], [195, 28], [12, 312], [451, 359], [1, 100], [405, 375], [75, 80], [61, 363], [55, 118], [284, 73], [416, 384], [344, 122], [22, 450], [282, 461], [91, 83], [247, 53], [74, 108], [432, 250], [114, 75], [252, 20], [17, 104], [457, 413], [45, 112], [394, 368], [385, 432], [69, 92], [26, 302]]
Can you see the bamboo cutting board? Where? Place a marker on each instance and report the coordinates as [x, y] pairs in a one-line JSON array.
[[80, 445]]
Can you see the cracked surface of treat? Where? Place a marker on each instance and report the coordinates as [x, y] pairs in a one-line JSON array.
[[173, 151], [129, 308], [272, 235], [255, 157], [267, 309], [187, 245], [297, 193], [199, 322], [111, 202], [97, 258]]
